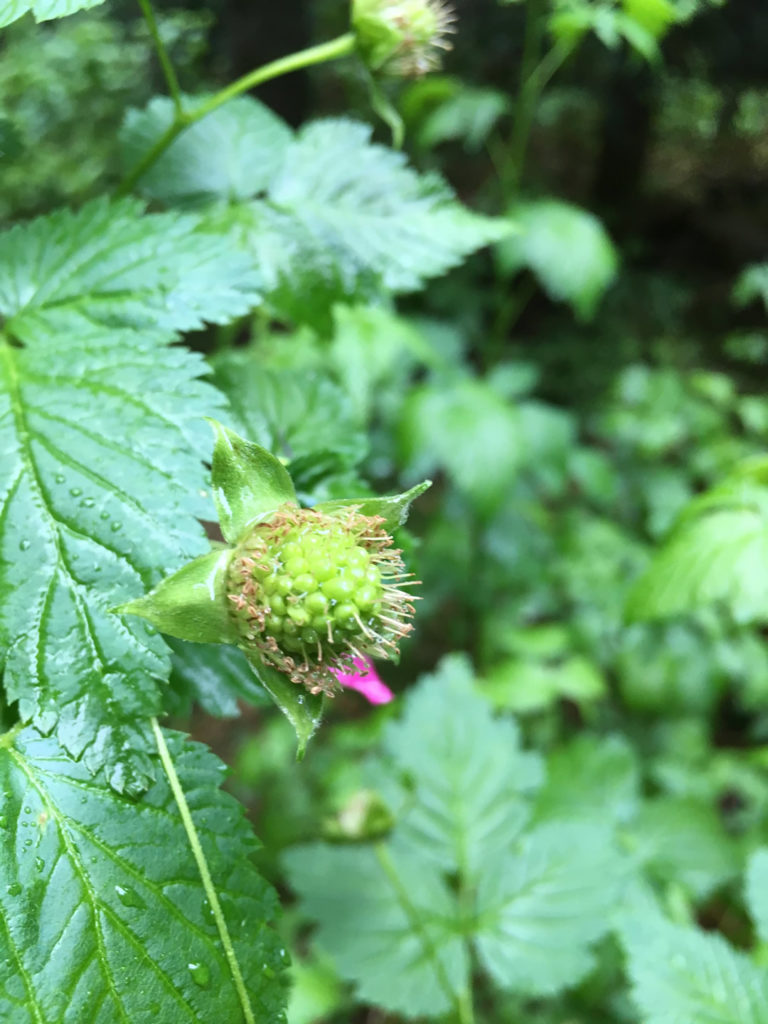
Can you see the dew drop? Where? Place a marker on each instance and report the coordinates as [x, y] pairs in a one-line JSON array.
[[25, 545], [87, 503], [103, 514], [39, 863], [129, 897], [75, 491], [27, 842], [59, 478], [200, 973], [267, 971], [208, 914], [27, 810], [116, 526], [14, 889]]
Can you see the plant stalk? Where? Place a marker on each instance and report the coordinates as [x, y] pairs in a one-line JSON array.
[[162, 54], [342, 46]]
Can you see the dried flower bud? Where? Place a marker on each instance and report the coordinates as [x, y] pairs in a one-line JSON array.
[[402, 37], [310, 592]]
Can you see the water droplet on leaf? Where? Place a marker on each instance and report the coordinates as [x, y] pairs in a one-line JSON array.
[[14, 889], [129, 897], [25, 545], [116, 526], [200, 973], [75, 491], [39, 863]]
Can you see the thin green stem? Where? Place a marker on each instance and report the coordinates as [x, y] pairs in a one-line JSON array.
[[332, 50], [205, 874], [388, 867], [535, 72], [162, 53]]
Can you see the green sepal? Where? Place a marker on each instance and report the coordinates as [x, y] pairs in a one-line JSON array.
[[393, 509], [191, 604], [248, 482], [302, 709]]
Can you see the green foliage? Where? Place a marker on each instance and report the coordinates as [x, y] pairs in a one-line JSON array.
[[529, 903], [248, 140], [340, 216], [42, 9], [89, 905], [683, 974], [566, 248], [716, 552]]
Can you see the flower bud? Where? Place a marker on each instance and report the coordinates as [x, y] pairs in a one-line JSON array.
[[402, 37], [311, 591]]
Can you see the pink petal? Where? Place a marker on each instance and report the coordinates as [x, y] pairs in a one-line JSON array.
[[366, 681]]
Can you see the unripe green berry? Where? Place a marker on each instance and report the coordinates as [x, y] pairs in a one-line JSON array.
[[310, 591]]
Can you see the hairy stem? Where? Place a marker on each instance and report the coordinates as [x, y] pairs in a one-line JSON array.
[[162, 53], [205, 874], [339, 47]]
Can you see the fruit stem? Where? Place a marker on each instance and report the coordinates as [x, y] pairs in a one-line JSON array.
[[342, 46]]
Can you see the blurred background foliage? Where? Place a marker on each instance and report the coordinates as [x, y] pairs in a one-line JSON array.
[[570, 391]]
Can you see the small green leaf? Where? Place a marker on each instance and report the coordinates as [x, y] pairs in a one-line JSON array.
[[192, 603], [248, 482], [392, 509], [718, 551], [567, 248], [384, 915], [303, 710]]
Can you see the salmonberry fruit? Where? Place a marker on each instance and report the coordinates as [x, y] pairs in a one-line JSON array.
[[310, 591]]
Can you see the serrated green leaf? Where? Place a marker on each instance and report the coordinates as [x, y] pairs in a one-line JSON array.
[[681, 976], [111, 266], [43, 10], [567, 249], [232, 153], [468, 778], [248, 482], [388, 920], [214, 676], [295, 412], [542, 908], [104, 916], [717, 552], [593, 778], [346, 218], [757, 891], [101, 490]]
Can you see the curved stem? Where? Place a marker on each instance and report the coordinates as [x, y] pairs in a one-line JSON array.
[[162, 53], [335, 48], [205, 874]]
